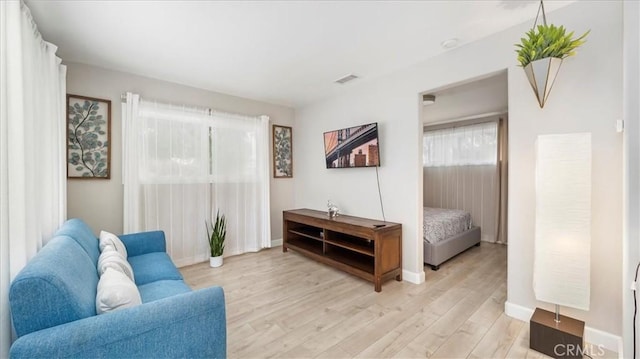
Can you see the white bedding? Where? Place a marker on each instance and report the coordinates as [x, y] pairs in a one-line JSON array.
[[441, 223]]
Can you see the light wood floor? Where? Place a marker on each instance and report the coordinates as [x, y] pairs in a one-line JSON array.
[[284, 305]]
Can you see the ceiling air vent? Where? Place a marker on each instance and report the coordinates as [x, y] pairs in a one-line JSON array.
[[346, 79]]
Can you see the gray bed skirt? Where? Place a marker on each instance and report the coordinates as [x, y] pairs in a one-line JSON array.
[[437, 253]]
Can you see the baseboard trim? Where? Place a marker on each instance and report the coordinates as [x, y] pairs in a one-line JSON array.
[[276, 242], [591, 335], [518, 311], [609, 341], [413, 277], [191, 260]]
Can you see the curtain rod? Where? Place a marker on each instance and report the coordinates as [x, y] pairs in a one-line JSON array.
[[123, 99], [465, 121]]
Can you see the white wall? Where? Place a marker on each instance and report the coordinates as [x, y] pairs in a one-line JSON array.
[[488, 95], [631, 94], [586, 97], [99, 202]]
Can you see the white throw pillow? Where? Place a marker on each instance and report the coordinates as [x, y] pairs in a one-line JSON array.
[[109, 248], [107, 238], [113, 259], [116, 291]]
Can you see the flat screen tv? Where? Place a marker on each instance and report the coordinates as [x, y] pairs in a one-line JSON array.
[[352, 147]]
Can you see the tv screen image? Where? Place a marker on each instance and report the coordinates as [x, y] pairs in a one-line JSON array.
[[352, 147]]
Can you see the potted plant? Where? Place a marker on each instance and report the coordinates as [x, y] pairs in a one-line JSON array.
[[216, 233], [541, 52], [547, 41]]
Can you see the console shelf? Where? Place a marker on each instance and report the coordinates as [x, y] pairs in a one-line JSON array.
[[367, 248], [307, 233]]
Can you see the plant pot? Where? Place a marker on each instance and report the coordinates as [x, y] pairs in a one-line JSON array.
[[541, 75], [215, 262]]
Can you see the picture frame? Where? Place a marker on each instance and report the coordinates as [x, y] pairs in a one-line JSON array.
[[282, 151], [88, 137]]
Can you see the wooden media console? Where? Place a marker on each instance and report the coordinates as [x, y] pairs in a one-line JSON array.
[[367, 248]]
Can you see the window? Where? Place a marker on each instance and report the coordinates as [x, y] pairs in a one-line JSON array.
[[181, 165], [461, 146]]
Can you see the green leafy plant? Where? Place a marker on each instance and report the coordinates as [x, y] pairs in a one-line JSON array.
[[216, 232], [547, 41]]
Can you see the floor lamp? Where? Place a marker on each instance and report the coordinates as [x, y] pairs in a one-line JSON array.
[[562, 253]]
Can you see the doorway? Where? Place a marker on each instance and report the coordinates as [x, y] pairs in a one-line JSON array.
[[464, 168]]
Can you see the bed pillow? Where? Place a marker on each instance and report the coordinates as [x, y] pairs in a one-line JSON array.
[[116, 291], [107, 238], [110, 258]]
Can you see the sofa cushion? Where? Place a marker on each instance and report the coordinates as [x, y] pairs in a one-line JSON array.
[[57, 286], [116, 291], [152, 267], [162, 289], [80, 232]]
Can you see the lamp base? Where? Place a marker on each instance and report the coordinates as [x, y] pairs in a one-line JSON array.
[[557, 340]]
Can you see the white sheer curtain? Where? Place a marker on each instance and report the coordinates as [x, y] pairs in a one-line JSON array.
[[461, 146], [240, 168], [173, 169], [32, 147], [182, 164], [461, 172]]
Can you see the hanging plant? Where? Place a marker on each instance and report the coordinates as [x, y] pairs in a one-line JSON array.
[[541, 52], [547, 41]]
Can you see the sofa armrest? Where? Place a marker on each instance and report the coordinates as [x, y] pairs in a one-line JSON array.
[[144, 242], [187, 325]]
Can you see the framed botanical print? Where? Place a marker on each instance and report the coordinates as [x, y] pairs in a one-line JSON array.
[[282, 152], [88, 137]]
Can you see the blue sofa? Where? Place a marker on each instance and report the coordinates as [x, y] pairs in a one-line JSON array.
[[53, 306]]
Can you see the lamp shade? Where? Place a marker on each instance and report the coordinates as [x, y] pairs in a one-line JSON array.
[[562, 253]]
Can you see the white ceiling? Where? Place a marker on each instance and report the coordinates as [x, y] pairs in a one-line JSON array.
[[283, 52]]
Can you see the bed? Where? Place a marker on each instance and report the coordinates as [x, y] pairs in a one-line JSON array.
[[447, 233]]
